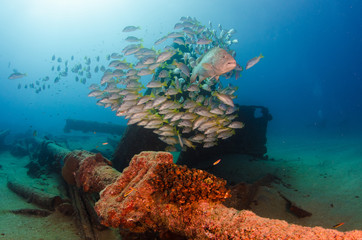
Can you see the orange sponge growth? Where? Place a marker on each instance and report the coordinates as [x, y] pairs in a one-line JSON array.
[[181, 185]]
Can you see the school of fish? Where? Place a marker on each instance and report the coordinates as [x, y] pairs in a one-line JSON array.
[[183, 102], [80, 69]]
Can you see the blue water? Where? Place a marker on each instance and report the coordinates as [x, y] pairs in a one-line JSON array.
[[311, 68]]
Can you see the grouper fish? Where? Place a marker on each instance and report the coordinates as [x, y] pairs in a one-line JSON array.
[[212, 64]]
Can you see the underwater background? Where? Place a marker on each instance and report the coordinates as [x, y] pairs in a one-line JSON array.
[[311, 70], [310, 78]]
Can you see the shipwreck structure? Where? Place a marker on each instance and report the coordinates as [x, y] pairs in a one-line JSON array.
[[154, 196]]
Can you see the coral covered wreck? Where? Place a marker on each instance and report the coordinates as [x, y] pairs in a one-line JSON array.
[[154, 194]]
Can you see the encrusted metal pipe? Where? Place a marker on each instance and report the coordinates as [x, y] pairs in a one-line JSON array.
[[155, 194]]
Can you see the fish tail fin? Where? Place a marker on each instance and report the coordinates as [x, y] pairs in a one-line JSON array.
[[261, 55], [180, 139], [193, 77]]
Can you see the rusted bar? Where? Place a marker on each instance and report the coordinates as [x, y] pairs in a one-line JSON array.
[[32, 195], [84, 224], [92, 126]]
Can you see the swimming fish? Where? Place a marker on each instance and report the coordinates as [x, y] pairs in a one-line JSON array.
[[128, 192], [338, 225], [133, 39], [130, 29], [224, 98], [164, 56], [236, 124], [253, 61], [212, 64], [184, 103], [216, 162], [17, 75], [203, 41]]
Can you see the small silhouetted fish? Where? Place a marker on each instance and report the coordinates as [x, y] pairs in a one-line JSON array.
[[130, 29], [58, 68], [96, 69], [16, 75], [57, 79], [37, 83], [97, 58], [76, 78], [72, 58], [53, 57], [133, 39], [116, 55], [53, 68], [19, 86], [26, 86], [59, 59]]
